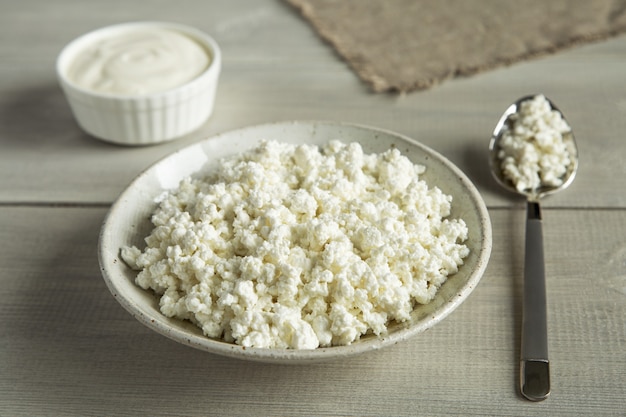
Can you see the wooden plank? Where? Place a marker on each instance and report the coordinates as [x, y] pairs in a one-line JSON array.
[[276, 68], [68, 348]]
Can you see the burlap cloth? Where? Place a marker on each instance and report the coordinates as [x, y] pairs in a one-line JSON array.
[[405, 45]]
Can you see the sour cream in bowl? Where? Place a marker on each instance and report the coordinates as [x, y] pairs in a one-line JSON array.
[[140, 83]]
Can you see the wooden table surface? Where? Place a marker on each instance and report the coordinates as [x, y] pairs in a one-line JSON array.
[[68, 348]]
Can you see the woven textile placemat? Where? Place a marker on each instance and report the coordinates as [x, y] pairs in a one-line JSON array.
[[406, 45]]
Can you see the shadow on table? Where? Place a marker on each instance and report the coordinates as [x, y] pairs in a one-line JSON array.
[[476, 159], [40, 117], [479, 171]]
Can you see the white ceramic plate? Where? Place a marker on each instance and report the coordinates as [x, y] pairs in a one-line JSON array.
[[128, 223]]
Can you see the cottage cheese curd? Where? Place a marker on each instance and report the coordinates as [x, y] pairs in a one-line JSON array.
[[533, 150], [295, 246]]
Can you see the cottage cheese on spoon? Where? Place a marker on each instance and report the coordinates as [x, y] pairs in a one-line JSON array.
[[533, 151]]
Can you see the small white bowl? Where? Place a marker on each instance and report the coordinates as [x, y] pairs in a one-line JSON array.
[[141, 119]]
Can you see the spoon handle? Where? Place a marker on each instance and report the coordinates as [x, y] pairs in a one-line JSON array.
[[534, 364]]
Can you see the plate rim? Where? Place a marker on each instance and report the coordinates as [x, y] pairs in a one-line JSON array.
[[232, 350]]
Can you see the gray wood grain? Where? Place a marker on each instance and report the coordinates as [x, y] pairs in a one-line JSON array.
[[269, 76], [68, 348]]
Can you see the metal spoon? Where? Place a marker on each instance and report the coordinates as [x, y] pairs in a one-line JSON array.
[[534, 364]]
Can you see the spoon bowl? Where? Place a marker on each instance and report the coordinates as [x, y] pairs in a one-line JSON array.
[[544, 189], [540, 158]]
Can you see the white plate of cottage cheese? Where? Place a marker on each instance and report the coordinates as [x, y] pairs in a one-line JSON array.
[[296, 242]]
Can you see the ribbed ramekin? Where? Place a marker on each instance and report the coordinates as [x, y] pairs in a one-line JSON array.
[[148, 118]]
